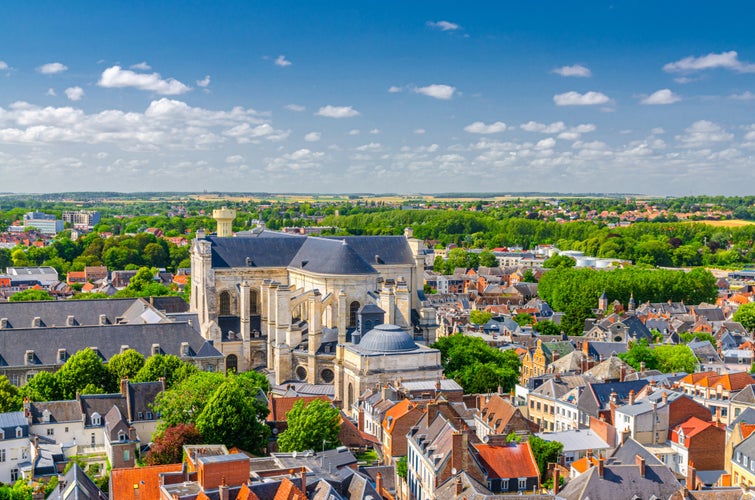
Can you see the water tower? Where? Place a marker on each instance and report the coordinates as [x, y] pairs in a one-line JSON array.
[[224, 217]]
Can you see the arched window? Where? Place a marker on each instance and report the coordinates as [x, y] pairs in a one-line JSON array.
[[231, 363], [225, 303], [253, 304], [350, 396], [353, 309]]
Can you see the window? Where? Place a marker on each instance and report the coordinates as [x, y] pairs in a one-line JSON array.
[[353, 309], [149, 415], [96, 419], [225, 303], [121, 436], [93, 440], [14, 475], [140, 416], [19, 432], [504, 484], [65, 429], [2, 455], [126, 455], [522, 483], [51, 431]]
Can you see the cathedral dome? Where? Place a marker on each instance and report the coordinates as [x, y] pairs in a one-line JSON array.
[[387, 338]]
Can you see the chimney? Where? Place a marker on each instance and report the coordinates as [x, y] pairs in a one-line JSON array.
[[622, 373], [303, 472], [586, 348], [360, 419], [601, 466], [379, 483], [555, 480], [223, 490], [124, 387], [664, 398], [640, 462], [631, 397], [432, 412], [459, 450], [691, 473], [642, 368], [459, 485]]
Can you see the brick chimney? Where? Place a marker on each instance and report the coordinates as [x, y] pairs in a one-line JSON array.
[[124, 387], [459, 444], [640, 462], [622, 373], [379, 484], [303, 472], [642, 368], [586, 348], [360, 419], [459, 485], [556, 474], [432, 412], [664, 397], [601, 467], [691, 476], [631, 397]]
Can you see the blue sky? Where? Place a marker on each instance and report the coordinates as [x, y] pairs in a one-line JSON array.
[[408, 97]]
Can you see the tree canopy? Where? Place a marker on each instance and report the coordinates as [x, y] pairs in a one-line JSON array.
[[30, 295], [745, 314], [311, 427], [476, 366]]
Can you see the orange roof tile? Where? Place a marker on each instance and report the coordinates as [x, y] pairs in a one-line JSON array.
[[146, 480], [288, 491], [583, 464], [746, 429], [280, 406], [690, 427], [511, 460], [246, 494], [395, 412]]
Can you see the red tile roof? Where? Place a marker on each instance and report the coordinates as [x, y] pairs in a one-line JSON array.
[[690, 427], [397, 411], [246, 494], [280, 406], [124, 482], [509, 461], [288, 491]]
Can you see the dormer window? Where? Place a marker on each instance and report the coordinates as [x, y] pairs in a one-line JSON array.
[[46, 415], [2, 434], [184, 348], [155, 349], [121, 436], [96, 419], [29, 357], [124, 348], [19, 432], [62, 355]]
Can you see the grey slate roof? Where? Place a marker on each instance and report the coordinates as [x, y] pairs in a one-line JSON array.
[[626, 453], [83, 487], [622, 481], [324, 256], [391, 250], [576, 440]]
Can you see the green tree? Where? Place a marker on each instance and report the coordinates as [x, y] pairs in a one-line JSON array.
[[640, 352], [185, 400], [744, 314], [125, 365], [401, 467], [167, 447], [10, 396], [169, 366], [475, 365], [80, 370], [311, 426], [233, 419], [545, 452], [478, 317], [524, 319], [43, 387], [529, 276], [559, 261], [487, 259], [547, 327], [30, 295], [675, 358]]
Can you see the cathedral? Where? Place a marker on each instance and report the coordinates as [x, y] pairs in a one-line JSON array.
[[300, 305]]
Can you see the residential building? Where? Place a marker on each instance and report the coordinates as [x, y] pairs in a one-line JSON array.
[[743, 463], [44, 223], [578, 444], [715, 390], [83, 219], [535, 363], [396, 425], [698, 442], [497, 416], [15, 447]]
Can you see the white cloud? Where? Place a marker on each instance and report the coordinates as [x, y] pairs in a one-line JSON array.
[[354, 131], [375, 131], [574, 70], [482, 128], [545, 143], [553, 128], [744, 96], [282, 61], [373, 146], [657, 131], [51, 92], [726, 60], [3, 65], [443, 25], [663, 96], [204, 82], [312, 137], [394, 89], [584, 128], [74, 93], [234, 159], [295, 107], [337, 111], [116, 77], [52, 68], [704, 133], [420, 131], [438, 91], [572, 98], [143, 66]]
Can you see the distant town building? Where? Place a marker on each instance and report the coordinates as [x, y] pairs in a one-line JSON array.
[[81, 218], [45, 223]]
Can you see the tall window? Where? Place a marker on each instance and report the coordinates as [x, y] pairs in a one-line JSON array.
[[353, 309], [253, 298], [231, 363], [225, 303]]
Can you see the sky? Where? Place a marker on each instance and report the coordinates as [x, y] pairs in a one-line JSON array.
[[654, 98]]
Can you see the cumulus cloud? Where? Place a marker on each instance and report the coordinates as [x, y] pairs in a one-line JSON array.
[[704, 133], [297, 161], [744, 96], [282, 61], [204, 82], [574, 70], [52, 68], [117, 77], [375, 131], [143, 66], [353, 131], [3, 65], [443, 25], [373, 146], [572, 98], [726, 60], [234, 159], [663, 96], [312, 137], [482, 128], [394, 89], [553, 128], [337, 111], [74, 93], [51, 92], [420, 131], [437, 91], [295, 107]]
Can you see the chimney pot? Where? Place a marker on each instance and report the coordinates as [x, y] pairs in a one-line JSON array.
[[640, 461]]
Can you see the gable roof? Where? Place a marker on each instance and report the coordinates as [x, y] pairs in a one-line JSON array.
[[513, 460], [144, 480], [279, 406], [76, 485]]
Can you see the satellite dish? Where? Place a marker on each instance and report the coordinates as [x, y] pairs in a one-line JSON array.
[[453, 471], [486, 439]]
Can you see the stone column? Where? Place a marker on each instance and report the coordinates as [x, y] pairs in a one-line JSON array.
[[244, 305], [343, 316], [315, 335]]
